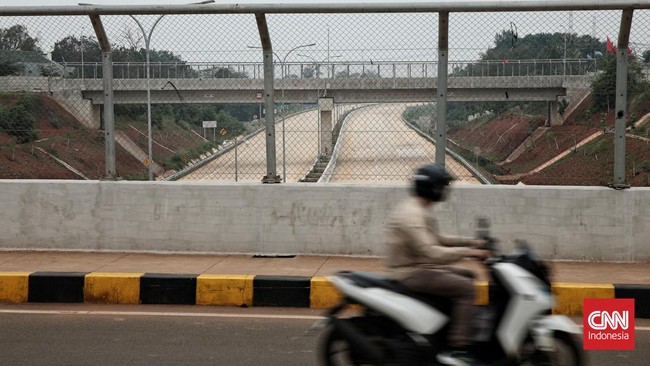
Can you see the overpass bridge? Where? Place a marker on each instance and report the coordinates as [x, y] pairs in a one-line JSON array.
[[346, 82], [343, 90]]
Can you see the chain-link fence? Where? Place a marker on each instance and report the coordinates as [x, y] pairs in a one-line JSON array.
[[531, 97]]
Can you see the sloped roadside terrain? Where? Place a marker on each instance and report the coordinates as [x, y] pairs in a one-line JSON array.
[[593, 163], [578, 152], [57, 137], [497, 138]]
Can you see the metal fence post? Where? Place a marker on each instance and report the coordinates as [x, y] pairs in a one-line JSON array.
[[621, 98], [269, 100], [441, 97], [109, 113]]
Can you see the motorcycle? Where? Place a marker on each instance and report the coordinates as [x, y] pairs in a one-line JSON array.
[[395, 326]]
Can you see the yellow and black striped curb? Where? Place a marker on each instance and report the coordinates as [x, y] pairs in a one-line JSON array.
[[246, 290]]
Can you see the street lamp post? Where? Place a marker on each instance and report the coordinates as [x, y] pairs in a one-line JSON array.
[[82, 54], [328, 43], [282, 65], [283, 61], [317, 71], [147, 41], [318, 64]]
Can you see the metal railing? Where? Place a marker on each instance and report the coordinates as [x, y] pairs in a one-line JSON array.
[[339, 69]]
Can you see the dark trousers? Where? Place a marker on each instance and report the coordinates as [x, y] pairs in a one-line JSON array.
[[456, 283]]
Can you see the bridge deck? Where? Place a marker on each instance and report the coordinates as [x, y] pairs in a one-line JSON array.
[[343, 90]]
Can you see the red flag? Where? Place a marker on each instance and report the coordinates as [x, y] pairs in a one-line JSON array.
[[610, 46]]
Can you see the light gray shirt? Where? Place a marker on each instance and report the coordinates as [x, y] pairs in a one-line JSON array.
[[413, 241]]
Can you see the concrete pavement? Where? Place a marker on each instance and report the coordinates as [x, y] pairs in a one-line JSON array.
[[247, 280], [378, 147], [301, 265]]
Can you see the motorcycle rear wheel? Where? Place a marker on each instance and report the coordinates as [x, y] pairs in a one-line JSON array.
[[567, 353]]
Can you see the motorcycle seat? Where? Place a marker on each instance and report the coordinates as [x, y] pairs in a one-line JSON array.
[[369, 279]]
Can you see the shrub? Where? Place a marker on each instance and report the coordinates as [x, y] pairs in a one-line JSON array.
[[644, 166], [18, 122], [562, 106]]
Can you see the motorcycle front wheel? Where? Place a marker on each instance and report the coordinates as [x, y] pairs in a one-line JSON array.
[[567, 353]]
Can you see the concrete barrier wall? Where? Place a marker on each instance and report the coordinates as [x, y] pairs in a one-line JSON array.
[[589, 223]]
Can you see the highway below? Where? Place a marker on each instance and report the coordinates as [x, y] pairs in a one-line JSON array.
[[376, 147], [248, 162], [83, 334]]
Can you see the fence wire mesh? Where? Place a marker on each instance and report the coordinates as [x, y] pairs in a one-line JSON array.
[[531, 97]]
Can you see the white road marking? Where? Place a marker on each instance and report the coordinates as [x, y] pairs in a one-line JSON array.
[[182, 314], [158, 313]]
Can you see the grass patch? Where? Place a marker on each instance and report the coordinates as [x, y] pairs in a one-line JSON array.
[[180, 159]]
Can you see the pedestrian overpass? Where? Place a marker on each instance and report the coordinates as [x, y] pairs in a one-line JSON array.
[[345, 82], [343, 90]]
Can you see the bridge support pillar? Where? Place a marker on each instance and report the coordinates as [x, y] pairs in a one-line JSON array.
[[96, 116], [84, 110], [325, 108], [554, 117]]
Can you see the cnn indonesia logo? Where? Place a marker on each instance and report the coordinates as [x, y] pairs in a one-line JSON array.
[[608, 324]]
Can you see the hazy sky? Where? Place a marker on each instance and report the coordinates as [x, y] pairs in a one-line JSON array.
[[359, 37]]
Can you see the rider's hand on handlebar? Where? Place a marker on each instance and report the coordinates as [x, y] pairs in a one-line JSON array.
[[476, 243], [480, 254]]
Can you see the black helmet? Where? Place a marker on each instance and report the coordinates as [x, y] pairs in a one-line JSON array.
[[431, 181]]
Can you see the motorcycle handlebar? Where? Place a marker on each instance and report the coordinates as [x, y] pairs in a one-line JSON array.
[[490, 244]]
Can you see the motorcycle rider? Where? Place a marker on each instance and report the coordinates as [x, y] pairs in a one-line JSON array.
[[418, 255]]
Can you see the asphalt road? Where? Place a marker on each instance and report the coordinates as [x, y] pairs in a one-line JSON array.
[[80, 334], [376, 147], [249, 164]]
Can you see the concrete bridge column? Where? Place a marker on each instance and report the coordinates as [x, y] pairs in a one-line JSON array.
[[554, 117], [96, 115], [325, 107]]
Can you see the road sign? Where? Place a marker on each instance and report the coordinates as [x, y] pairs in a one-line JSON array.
[[209, 124], [223, 132], [146, 162]]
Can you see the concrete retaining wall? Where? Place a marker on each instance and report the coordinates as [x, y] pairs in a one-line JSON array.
[[73, 102], [590, 223]]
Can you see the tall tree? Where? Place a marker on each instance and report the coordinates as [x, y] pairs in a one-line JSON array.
[[508, 46], [69, 49], [7, 67], [16, 38], [603, 88]]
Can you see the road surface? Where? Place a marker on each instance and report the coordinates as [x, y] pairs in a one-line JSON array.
[[248, 162], [376, 147], [83, 334]]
